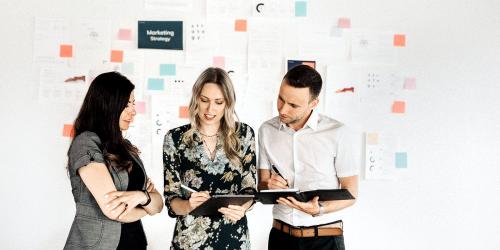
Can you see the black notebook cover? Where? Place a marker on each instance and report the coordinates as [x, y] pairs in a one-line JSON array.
[[213, 204], [270, 197]]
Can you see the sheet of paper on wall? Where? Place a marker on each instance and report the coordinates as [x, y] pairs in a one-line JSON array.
[[228, 8], [201, 35], [316, 41], [170, 5], [50, 34], [91, 39], [378, 84], [379, 156], [372, 47], [133, 68], [273, 8], [62, 85]]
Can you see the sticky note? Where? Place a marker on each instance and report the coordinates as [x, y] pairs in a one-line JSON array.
[[117, 56], [372, 138], [68, 130], [310, 64], [183, 112], [140, 107], [240, 25], [156, 84], [125, 34], [167, 69], [410, 83], [398, 107], [399, 40], [219, 61], [401, 160], [66, 50], [344, 23], [300, 8], [128, 68]]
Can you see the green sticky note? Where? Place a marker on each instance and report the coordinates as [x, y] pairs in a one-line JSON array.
[[401, 160], [300, 8], [167, 70], [155, 84]]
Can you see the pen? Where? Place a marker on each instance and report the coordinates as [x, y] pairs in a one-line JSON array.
[[278, 172], [188, 188]]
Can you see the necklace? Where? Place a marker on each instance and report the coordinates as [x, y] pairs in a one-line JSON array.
[[208, 135], [210, 152]]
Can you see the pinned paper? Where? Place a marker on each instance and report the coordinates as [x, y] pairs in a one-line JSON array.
[[399, 40], [125, 34], [128, 68], [398, 107], [140, 107], [372, 138], [68, 130], [300, 8], [66, 50], [344, 23], [117, 56], [410, 83], [240, 25], [156, 84], [184, 112], [401, 160], [219, 62], [167, 69]]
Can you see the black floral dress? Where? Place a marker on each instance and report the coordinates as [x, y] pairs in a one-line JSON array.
[[193, 167]]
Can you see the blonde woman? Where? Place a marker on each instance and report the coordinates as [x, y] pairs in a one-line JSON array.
[[214, 154]]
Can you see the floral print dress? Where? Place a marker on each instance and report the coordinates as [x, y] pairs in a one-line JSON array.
[[193, 167]]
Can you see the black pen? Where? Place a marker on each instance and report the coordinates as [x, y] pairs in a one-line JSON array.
[[278, 172]]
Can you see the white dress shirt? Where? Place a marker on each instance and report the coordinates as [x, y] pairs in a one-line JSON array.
[[313, 157]]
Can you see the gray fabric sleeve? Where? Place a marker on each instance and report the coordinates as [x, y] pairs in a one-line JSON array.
[[84, 150]]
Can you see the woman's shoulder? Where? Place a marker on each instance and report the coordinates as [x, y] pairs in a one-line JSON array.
[[180, 130], [244, 128], [87, 138]]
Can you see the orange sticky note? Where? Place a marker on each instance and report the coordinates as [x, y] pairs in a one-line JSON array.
[[398, 107], [344, 23], [219, 62], [240, 25], [140, 107], [183, 112], [66, 50], [117, 56], [399, 40], [68, 130], [125, 34], [310, 64]]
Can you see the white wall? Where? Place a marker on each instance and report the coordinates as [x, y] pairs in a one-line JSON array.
[[446, 199]]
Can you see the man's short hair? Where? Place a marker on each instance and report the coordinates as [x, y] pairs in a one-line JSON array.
[[303, 76]]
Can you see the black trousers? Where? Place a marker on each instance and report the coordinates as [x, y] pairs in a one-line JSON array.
[[281, 240]]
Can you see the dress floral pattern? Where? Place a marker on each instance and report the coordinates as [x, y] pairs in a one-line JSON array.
[[192, 166]]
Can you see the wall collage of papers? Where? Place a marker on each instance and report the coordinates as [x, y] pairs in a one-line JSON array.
[[255, 42]]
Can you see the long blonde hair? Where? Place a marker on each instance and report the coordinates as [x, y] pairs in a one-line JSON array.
[[228, 127]]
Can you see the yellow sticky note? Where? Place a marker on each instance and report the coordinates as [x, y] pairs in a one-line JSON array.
[[398, 107], [371, 138], [117, 56], [240, 25], [66, 50], [399, 40]]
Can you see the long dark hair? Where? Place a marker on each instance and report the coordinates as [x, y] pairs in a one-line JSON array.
[[106, 98]]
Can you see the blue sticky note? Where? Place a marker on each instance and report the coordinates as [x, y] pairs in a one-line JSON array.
[[155, 84], [401, 160], [128, 68], [167, 70], [300, 8]]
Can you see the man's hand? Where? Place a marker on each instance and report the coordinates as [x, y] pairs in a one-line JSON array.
[[276, 182], [311, 207]]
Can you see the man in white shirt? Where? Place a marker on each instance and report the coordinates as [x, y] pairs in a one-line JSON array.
[[310, 151]]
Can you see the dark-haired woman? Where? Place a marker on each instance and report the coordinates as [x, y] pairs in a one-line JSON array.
[[110, 187]]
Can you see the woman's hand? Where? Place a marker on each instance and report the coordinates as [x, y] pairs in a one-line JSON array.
[[233, 213], [150, 186], [122, 202], [197, 198]]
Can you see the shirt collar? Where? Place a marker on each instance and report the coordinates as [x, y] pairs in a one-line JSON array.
[[312, 122]]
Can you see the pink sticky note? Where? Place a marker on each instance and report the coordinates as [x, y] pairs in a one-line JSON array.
[[398, 107], [410, 83], [140, 107], [219, 61], [125, 34], [344, 23]]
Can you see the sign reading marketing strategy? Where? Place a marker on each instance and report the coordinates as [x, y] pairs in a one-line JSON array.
[[160, 35]]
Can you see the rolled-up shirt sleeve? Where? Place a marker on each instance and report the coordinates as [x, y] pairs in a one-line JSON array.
[[84, 149]]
